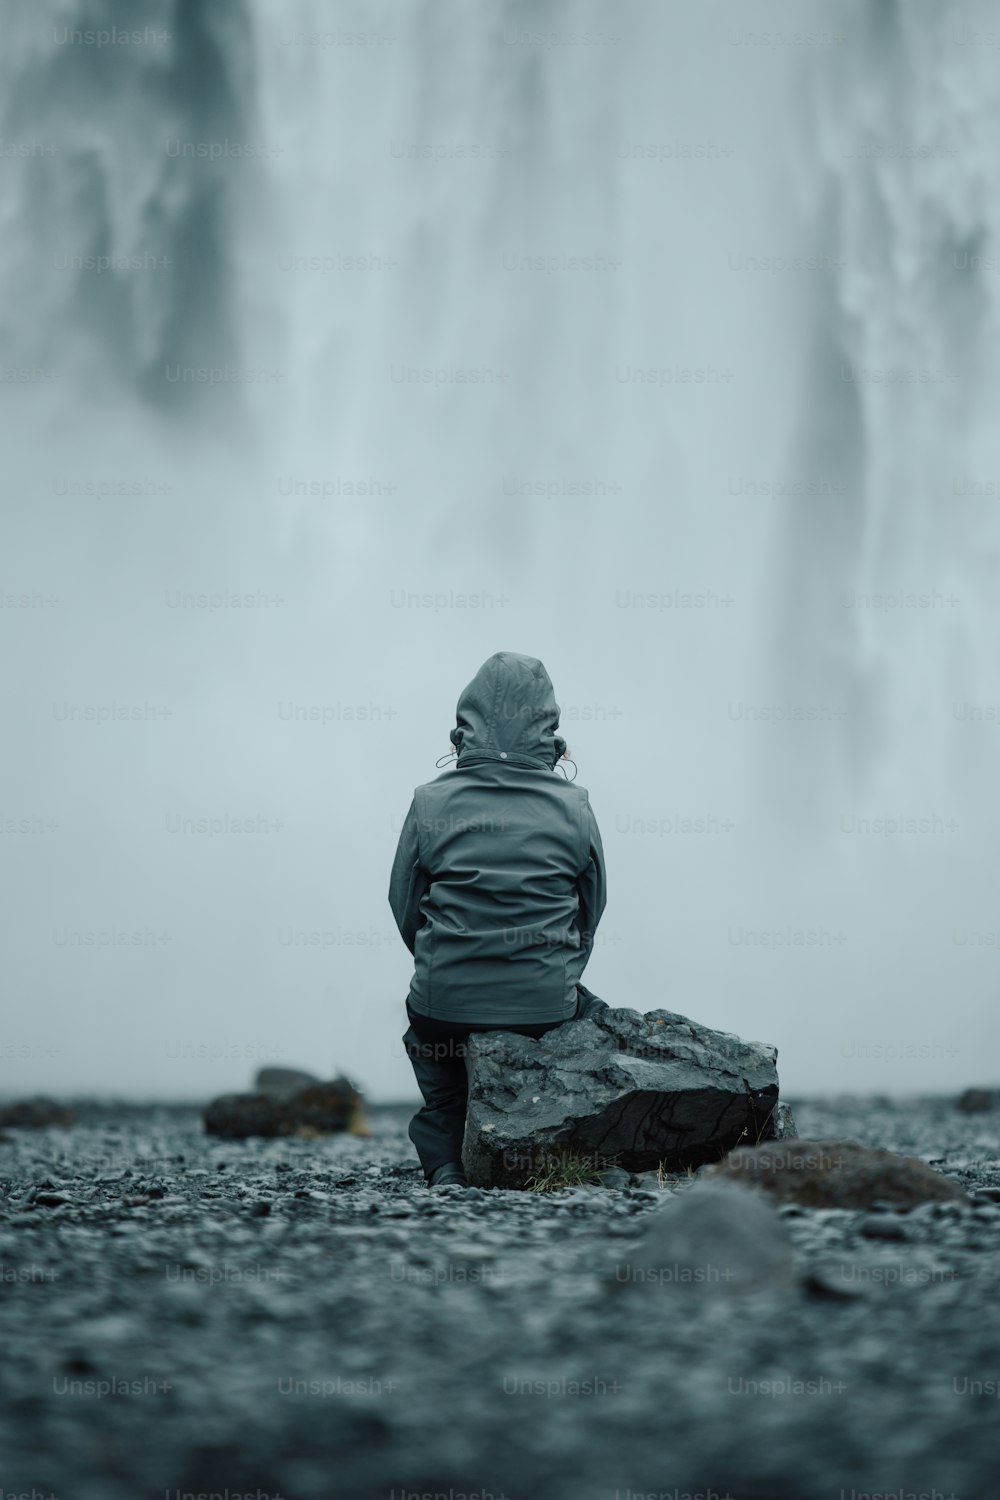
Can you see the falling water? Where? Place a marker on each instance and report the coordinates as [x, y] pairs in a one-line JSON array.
[[430, 304]]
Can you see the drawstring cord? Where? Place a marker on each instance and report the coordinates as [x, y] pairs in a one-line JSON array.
[[443, 760]]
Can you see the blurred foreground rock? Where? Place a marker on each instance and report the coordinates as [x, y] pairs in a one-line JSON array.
[[624, 1089], [836, 1174], [282, 1105], [714, 1238], [35, 1113]]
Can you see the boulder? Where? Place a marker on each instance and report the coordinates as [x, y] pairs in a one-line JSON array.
[[318, 1109], [976, 1101], [35, 1113], [282, 1083], [712, 1238], [836, 1174], [619, 1088]]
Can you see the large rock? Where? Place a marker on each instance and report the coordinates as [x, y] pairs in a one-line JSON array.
[[622, 1088], [319, 1109], [836, 1174], [713, 1238]]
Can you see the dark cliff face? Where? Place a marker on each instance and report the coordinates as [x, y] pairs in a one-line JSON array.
[[125, 208]]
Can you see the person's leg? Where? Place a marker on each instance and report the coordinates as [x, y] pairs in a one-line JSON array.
[[438, 1061], [437, 1051], [587, 1003]]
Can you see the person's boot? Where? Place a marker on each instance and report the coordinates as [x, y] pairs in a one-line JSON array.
[[451, 1174]]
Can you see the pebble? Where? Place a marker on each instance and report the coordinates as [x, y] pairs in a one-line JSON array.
[[883, 1226]]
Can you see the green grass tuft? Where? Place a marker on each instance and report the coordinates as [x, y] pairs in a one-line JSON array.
[[567, 1170]]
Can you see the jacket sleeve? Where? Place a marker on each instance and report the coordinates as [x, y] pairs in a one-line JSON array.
[[408, 882], [592, 885]]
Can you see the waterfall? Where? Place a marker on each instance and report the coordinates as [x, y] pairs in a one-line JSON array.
[[887, 586], [584, 330]]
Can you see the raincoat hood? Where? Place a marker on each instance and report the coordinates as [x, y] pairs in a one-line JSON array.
[[508, 713]]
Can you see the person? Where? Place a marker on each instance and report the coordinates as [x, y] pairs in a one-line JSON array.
[[497, 887]]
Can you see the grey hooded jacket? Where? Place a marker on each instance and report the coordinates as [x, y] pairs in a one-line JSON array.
[[498, 882]]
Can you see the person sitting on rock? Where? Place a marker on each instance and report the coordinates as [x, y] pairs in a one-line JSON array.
[[497, 888]]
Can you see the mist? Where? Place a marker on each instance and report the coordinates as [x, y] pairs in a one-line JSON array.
[[332, 366]]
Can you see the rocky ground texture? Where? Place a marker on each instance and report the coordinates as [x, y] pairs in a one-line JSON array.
[[304, 1318]]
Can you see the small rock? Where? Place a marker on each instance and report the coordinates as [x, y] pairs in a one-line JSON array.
[[282, 1083], [716, 1238], [614, 1177], [52, 1200], [974, 1101], [35, 1113], [649, 1180], [836, 1174], [882, 1227], [321, 1108], [783, 1122], [830, 1282]]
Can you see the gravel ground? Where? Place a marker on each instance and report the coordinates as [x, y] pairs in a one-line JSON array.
[[186, 1316]]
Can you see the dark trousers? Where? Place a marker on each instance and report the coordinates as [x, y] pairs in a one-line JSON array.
[[437, 1051]]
